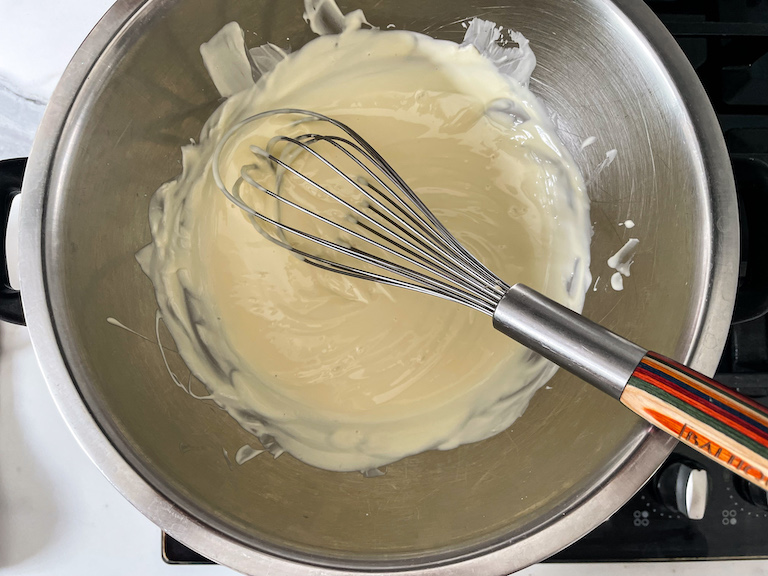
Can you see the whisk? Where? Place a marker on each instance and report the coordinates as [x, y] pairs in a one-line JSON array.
[[386, 234]]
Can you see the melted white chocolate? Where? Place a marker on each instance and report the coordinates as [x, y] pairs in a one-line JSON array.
[[350, 375]]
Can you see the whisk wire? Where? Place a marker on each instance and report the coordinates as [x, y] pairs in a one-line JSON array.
[[429, 258], [367, 257], [393, 219], [438, 232], [426, 212], [456, 294]]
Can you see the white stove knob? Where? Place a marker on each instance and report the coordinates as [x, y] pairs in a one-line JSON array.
[[684, 488]]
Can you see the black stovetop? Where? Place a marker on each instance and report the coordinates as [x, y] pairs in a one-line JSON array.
[[727, 43]]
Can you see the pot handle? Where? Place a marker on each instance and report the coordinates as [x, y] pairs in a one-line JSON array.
[[11, 174]]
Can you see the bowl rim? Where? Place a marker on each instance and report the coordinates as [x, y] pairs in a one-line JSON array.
[[621, 482]]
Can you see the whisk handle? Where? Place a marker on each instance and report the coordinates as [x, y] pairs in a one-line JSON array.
[[713, 419]]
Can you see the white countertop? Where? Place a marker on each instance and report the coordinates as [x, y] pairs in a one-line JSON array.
[[58, 514]]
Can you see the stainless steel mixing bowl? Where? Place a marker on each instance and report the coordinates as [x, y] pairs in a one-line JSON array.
[[137, 90]]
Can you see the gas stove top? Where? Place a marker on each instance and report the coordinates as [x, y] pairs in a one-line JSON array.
[[691, 508]]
